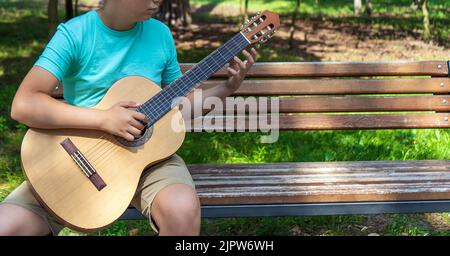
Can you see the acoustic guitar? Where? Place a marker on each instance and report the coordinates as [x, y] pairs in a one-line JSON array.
[[87, 178]]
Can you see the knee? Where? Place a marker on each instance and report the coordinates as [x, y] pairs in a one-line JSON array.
[[17, 221], [180, 203], [177, 208], [7, 227]]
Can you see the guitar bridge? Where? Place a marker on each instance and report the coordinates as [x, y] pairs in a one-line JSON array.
[[83, 164]]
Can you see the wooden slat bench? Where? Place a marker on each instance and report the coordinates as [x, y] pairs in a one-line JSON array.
[[324, 188]]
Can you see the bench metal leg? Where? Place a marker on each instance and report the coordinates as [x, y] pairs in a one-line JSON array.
[[313, 209]]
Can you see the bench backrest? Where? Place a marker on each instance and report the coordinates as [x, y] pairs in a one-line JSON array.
[[348, 95], [418, 94]]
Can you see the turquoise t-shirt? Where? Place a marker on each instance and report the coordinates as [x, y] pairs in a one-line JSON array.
[[88, 57]]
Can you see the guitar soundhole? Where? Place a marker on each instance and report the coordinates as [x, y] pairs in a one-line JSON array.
[[139, 141]]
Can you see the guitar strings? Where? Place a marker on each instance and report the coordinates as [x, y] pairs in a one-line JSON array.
[[239, 43], [98, 154]]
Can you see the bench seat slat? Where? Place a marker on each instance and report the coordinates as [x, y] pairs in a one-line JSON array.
[[324, 122], [324, 167], [336, 69], [219, 184], [317, 179], [422, 192]]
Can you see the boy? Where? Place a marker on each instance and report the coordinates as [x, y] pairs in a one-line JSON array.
[[88, 54]]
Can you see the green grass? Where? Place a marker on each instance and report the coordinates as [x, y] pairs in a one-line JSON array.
[[24, 25], [406, 225]]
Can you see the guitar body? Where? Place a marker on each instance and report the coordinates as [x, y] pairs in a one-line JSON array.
[[66, 191]]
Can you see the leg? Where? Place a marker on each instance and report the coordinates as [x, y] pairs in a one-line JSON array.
[[18, 221], [166, 193], [21, 214], [176, 211]]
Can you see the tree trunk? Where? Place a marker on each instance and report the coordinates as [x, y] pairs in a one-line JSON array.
[[69, 10], [357, 4], [175, 13], [426, 20], [246, 10], [186, 11], [292, 29], [417, 4], [368, 9], [52, 10], [241, 10], [76, 7]]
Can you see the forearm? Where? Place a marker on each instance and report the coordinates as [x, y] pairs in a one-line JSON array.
[[39, 110], [221, 90], [236, 73]]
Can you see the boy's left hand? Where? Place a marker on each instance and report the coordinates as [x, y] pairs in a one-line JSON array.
[[238, 69]]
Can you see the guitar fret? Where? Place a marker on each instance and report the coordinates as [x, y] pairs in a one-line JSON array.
[[161, 103]]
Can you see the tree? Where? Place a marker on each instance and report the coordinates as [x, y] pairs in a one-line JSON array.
[[69, 10], [76, 7], [368, 9], [357, 4], [246, 10], [426, 19], [175, 13], [52, 14], [293, 28], [241, 11]]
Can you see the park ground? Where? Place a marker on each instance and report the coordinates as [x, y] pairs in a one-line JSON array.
[[328, 32]]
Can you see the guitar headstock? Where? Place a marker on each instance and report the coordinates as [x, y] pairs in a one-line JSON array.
[[259, 28]]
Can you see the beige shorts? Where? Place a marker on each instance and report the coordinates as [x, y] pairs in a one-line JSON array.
[[155, 178]]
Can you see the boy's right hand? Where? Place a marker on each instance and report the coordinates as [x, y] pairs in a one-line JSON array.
[[123, 121]]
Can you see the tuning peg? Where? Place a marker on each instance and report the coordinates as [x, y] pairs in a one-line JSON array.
[[254, 16], [245, 24], [271, 33]]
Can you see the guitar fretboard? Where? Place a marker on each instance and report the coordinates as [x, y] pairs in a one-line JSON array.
[[162, 102]]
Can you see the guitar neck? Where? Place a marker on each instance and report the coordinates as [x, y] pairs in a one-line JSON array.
[[166, 99]]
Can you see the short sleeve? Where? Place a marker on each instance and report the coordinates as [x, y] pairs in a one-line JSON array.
[[59, 54], [172, 69]]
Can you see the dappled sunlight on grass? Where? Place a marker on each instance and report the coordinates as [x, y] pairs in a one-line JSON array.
[[23, 51]]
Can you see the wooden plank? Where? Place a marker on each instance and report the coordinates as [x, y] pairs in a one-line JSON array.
[[390, 193], [339, 104], [317, 179], [270, 87], [321, 122], [320, 167], [336, 69], [322, 181], [339, 86]]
